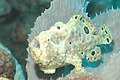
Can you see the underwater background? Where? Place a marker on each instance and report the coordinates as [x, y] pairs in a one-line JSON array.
[[18, 16]]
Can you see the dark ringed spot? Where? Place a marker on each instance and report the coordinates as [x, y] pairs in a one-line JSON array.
[[88, 59], [95, 58], [86, 30], [81, 52], [48, 39], [69, 42], [81, 18], [93, 53], [102, 28], [106, 32], [107, 39]]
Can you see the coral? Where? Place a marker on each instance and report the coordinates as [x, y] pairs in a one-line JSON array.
[[9, 67], [5, 10], [22, 27], [5, 7], [20, 34], [29, 5]]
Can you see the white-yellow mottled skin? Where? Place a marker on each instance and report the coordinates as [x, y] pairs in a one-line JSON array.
[[2, 78], [68, 43]]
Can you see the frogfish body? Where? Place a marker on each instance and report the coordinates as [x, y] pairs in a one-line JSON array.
[[65, 35]]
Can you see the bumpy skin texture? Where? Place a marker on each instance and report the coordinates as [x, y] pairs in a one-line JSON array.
[[68, 43], [2, 78], [7, 66]]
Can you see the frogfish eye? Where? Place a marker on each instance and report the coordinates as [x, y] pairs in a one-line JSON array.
[[36, 44]]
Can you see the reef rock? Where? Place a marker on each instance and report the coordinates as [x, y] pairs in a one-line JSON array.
[[9, 67]]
